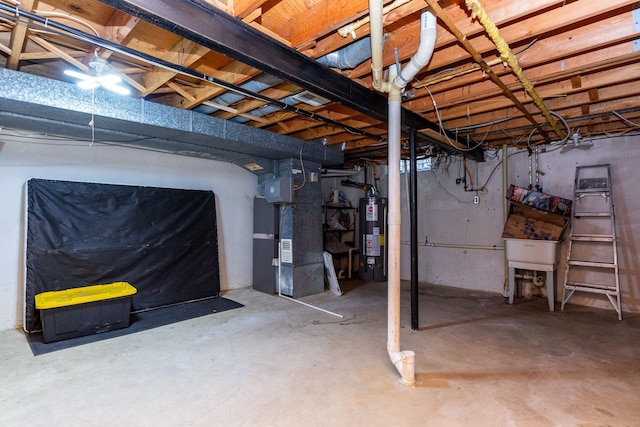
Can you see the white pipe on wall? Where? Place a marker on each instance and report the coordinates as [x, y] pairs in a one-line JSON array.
[[462, 246], [404, 361]]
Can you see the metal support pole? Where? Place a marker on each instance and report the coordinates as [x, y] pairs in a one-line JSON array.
[[413, 218], [505, 213]]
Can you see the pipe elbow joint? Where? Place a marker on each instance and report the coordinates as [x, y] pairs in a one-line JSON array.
[[346, 30], [381, 86], [404, 361]]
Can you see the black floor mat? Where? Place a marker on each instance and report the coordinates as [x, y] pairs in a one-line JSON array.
[[139, 322]]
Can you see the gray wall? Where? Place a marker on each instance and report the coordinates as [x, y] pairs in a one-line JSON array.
[[448, 216], [454, 218]]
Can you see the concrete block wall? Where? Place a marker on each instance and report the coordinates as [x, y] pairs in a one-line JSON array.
[[447, 215]]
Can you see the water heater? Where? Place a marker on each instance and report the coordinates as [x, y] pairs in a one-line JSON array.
[[373, 229]]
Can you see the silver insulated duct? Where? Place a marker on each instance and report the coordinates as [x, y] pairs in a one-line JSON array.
[[349, 57]]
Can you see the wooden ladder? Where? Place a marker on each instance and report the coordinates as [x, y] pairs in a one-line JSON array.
[[592, 253]]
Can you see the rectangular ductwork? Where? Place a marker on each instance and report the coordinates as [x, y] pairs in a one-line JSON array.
[[58, 108]]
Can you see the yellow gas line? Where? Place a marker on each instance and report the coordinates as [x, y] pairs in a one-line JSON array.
[[486, 68], [477, 11]]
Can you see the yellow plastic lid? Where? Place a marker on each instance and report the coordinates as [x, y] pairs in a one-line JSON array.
[[74, 296]]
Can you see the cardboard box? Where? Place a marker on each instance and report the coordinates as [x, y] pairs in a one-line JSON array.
[[76, 312], [526, 222], [541, 201]]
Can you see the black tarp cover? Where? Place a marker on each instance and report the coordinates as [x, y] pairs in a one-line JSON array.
[[163, 241]]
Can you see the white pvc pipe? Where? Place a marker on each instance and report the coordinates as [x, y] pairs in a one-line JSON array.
[[425, 50], [462, 246], [394, 219], [375, 15], [404, 361], [353, 26]]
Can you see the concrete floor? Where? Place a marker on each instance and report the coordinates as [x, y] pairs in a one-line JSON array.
[[479, 362]]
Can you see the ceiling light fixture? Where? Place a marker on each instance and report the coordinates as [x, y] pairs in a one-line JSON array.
[[99, 74], [577, 142]]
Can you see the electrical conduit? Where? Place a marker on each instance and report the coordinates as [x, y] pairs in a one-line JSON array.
[[404, 361]]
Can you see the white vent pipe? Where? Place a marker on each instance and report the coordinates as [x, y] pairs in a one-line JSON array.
[[404, 361], [375, 16]]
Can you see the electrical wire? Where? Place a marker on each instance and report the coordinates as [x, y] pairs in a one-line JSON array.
[[304, 175], [442, 129], [61, 15], [92, 123], [435, 176], [481, 125], [560, 143], [49, 140], [615, 135], [11, 135], [484, 186], [624, 119]]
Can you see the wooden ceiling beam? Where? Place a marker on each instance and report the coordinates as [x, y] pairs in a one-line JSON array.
[[117, 29], [349, 138], [41, 56], [5, 49], [544, 55], [232, 37], [322, 18], [185, 53], [556, 87], [235, 73], [334, 41], [181, 91], [568, 107], [406, 41], [485, 67], [18, 38], [296, 124], [584, 38], [119, 26], [610, 57], [555, 93], [242, 8], [59, 52], [246, 105]]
